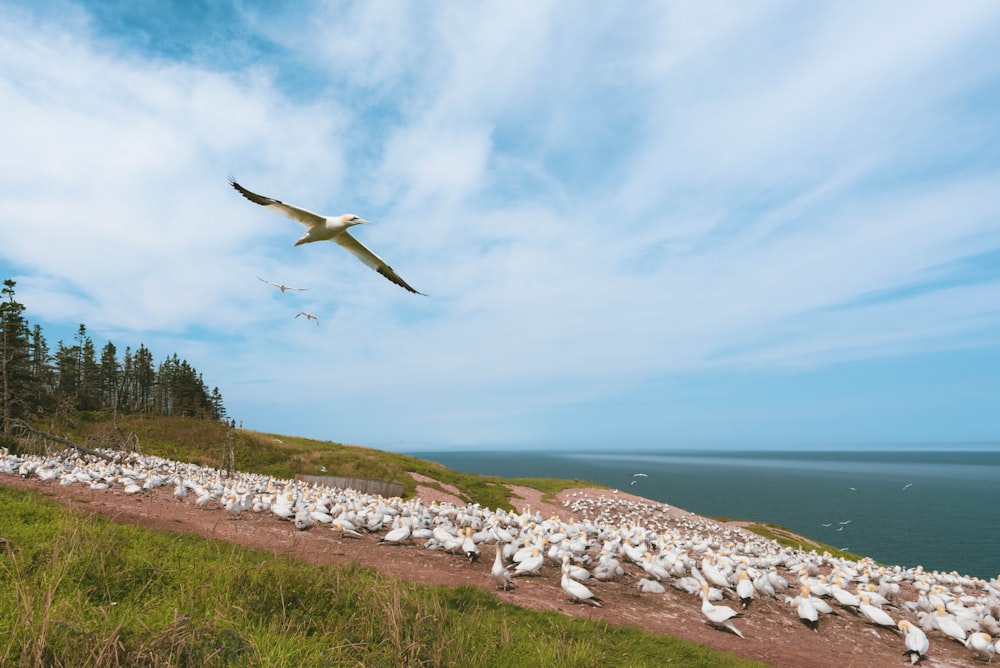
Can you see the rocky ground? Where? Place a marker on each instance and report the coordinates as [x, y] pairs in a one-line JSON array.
[[773, 633]]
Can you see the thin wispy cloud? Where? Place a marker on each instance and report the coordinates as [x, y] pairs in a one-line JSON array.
[[595, 207]]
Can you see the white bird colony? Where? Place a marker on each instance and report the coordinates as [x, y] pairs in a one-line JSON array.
[[611, 533]]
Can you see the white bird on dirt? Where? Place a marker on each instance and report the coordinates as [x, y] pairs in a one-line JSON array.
[[916, 640], [344, 532], [399, 534], [981, 646], [647, 586], [806, 608], [718, 615], [282, 286], [318, 515], [303, 520], [653, 569], [845, 598], [500, 573], [469, 546], [232, 506], [875, 615], [181, 490], [328, 228], [744, 589], [948, 625], [530, 565], [578, 592]]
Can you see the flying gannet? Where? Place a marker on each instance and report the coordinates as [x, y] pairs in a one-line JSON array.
[[281, 286], [332, 228], [309, 316]]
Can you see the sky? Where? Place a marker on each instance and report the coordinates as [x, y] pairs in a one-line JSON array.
[[645, 224]]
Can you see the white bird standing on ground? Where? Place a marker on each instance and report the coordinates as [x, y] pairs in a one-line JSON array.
[[332, 228], [281, 286], [718, 615], [806, 609], [500, 573], [578, 592], [916, 641], [744, 589]]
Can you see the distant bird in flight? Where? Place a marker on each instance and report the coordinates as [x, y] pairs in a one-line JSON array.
[[907, 485], [281, 286], [333, 228], [639, 475], [309, 316]]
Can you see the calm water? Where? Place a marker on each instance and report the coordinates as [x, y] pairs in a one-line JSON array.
[[940, 509]]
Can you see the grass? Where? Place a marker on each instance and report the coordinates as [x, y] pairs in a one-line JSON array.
[[204, 442], [85, 591], [786, 537]]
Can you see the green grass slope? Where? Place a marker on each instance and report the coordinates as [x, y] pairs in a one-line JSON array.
[[84, 591]]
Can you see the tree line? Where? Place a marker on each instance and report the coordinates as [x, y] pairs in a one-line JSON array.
[[37, 382]]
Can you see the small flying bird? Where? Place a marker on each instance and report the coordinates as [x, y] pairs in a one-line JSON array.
[[332, 228], [281, 286], [639, 475], [907, 485], [309, 316]]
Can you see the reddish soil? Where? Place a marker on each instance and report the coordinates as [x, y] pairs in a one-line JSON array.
[[773, 632]]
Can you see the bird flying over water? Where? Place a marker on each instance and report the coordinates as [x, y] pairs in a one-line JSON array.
[[281, 286], [332, 228]]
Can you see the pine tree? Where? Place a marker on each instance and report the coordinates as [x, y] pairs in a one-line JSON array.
[[145, 381], [67, 373], [87, 394], [15, 373], [43, 384], [34, 382], [109, 377]]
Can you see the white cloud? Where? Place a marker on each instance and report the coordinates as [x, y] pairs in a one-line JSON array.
[[591, 204]]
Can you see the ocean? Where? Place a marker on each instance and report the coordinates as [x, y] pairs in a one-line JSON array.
[[935, 508]]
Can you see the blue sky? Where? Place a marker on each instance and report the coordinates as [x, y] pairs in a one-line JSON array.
[[646, 224]]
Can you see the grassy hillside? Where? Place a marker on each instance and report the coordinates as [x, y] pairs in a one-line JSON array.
[[83, 591], [205, 442]]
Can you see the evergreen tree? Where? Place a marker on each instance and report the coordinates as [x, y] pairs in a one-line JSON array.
[[33, 381], [67, 373], [87, 394], [218, 409], [109, 377], [145, 381], [15, 372], [43, 384]]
